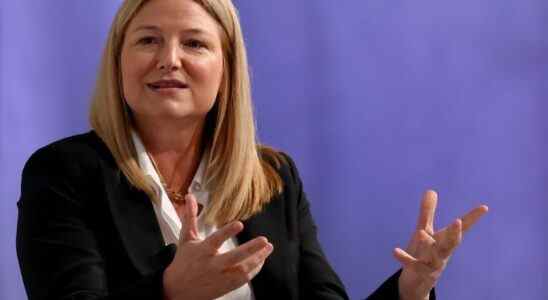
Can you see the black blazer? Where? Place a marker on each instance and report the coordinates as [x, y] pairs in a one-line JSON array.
[[85, 233]]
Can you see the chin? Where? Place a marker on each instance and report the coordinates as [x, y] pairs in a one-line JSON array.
[[173, 109], [183, 114]]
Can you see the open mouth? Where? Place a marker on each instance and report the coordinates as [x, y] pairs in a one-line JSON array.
[[167, 84]]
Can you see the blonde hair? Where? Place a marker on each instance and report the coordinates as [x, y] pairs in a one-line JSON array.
[[240, 179]]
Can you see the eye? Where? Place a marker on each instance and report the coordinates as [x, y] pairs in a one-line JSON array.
[[195, 44], [147, 40]]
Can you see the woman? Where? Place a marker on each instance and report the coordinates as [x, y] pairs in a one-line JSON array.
[[173, 160]]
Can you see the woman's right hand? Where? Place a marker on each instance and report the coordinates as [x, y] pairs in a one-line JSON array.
[[200, 271]]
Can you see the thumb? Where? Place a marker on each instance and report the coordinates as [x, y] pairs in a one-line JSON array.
[[189, 230]]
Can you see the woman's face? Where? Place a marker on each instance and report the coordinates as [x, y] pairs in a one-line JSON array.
[[171, 61]]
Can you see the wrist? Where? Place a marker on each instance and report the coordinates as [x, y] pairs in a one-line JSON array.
[[413, 289], [408, 297], [167, 286]]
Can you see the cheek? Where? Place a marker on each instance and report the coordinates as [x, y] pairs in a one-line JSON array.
[[134, 68], [207, 74], [127, 75]]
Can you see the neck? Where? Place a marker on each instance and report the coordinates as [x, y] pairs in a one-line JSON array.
[[176, 149]]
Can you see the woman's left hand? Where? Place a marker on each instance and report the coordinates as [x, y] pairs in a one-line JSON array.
[[429, 250]]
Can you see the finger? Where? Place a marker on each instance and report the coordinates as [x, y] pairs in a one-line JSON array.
[[425, 240], [251, 266], [216, 239], [427, 211], [422, 239], [427, 251], [243, 273], [410, 262], [189, 231], [418, 240], [242, 252], [258, 268], [473, 216], [450, 240], [403, 257]]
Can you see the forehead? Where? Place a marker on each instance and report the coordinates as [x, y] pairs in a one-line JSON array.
[[174, 15]]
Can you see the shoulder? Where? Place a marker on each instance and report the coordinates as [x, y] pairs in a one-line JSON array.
[[74, 156], [282, 162]]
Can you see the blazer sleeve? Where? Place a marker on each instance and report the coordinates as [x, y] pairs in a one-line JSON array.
[[316, 277], [389, 289], [58, 253], [317, 280]]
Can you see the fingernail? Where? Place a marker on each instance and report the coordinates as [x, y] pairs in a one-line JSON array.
[[239, 225]]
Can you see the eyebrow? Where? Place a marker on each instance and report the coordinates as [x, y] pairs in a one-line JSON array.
[[156, 28]]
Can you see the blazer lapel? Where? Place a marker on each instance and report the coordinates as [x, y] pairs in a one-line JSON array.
[[137, 226], [133, 216]]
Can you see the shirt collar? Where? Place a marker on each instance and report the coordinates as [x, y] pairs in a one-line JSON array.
[[148, 168]]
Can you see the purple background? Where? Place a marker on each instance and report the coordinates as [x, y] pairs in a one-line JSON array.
[[375, 100]]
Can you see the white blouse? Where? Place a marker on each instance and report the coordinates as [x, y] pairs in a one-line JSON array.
[[169, 221]]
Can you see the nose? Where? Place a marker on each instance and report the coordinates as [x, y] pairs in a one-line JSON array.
[[169, 57]]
